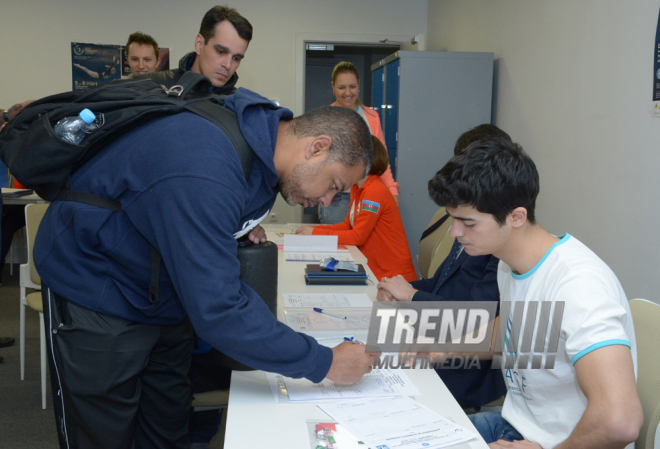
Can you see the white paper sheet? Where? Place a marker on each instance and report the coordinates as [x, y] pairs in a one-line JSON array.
[[311, 243], [396, 423], [327, 300], [313, 321], [276, 237], [316, 257], [276, 232], [378, 383]]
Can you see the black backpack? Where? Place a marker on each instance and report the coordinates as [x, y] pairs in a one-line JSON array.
[[41, 161]]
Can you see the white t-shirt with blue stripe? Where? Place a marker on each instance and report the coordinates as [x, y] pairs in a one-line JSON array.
[[545, 405]]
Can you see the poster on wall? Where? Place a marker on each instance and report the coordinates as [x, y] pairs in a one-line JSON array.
[[163, 64], [656, 71], [94, 64], [656, 64]]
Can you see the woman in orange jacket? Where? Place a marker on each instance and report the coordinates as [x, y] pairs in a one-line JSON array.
[[346, 87], [374, 223]]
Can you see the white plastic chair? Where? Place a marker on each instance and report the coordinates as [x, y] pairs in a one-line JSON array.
[[216, 399], [29, 278], [646, 319], [435, 247]]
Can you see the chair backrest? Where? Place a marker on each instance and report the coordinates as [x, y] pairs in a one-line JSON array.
[[33, 215], [435, 244], [646, 319]]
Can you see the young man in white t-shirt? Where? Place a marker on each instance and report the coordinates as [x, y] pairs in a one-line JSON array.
[[574, 387]]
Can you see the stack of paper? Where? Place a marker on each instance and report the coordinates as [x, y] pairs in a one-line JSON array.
[[317, 257], [378, 383], [396, 422], [312, 321], [311, 243], [326, 300]]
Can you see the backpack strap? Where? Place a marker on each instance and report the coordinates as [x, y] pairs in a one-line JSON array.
[[190, 82], [225, 120], [88, 198]]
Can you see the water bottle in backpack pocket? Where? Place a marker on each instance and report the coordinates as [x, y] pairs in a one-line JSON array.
[[74, 129]]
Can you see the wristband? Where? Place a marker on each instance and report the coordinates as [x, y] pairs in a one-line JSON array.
[[5, 117]]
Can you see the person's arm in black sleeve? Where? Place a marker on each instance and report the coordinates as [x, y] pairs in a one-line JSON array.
[[477, 278], [426, 285]]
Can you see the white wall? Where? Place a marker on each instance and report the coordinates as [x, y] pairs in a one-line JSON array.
[[35, 55], [574, 88]]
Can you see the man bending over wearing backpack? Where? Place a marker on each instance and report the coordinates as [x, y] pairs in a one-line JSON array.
[[583, 395], [119, 362]]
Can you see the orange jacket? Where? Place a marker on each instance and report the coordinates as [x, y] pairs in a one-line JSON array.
[[374, 225], [374, 125]]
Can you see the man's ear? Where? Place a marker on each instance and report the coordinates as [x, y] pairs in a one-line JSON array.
[[319, 146], [518, 217], [199, 43]]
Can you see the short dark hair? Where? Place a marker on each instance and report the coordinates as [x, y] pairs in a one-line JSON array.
[[379, 159], [142, 39], [478, 134], [494, 177], [351, 138], [216, 15]]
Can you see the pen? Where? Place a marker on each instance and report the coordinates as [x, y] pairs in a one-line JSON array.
[[319, 310], [353, 340]]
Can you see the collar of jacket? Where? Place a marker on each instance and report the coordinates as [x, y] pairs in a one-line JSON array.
[[186, 63]]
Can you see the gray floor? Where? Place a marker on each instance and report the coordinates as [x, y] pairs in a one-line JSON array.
[[23, 424]]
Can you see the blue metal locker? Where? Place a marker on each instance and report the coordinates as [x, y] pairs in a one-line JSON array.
[[391, 126], [377, 92], [430, 98]]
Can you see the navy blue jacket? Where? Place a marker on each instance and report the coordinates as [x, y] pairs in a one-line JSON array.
[[182, 190], [471, 278]]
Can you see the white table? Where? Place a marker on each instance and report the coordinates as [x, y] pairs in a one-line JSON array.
[[26, 199], [254, 419]]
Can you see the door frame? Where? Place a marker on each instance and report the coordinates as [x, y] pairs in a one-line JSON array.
[[302, 39]]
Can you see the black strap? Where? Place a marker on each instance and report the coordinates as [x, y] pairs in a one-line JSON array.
[[228, 123], [88, 198], [226, 120], [191, 82], [431, 229]]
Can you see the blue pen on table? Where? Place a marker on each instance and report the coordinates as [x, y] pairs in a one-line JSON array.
[[353, 340], [319, 310]]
